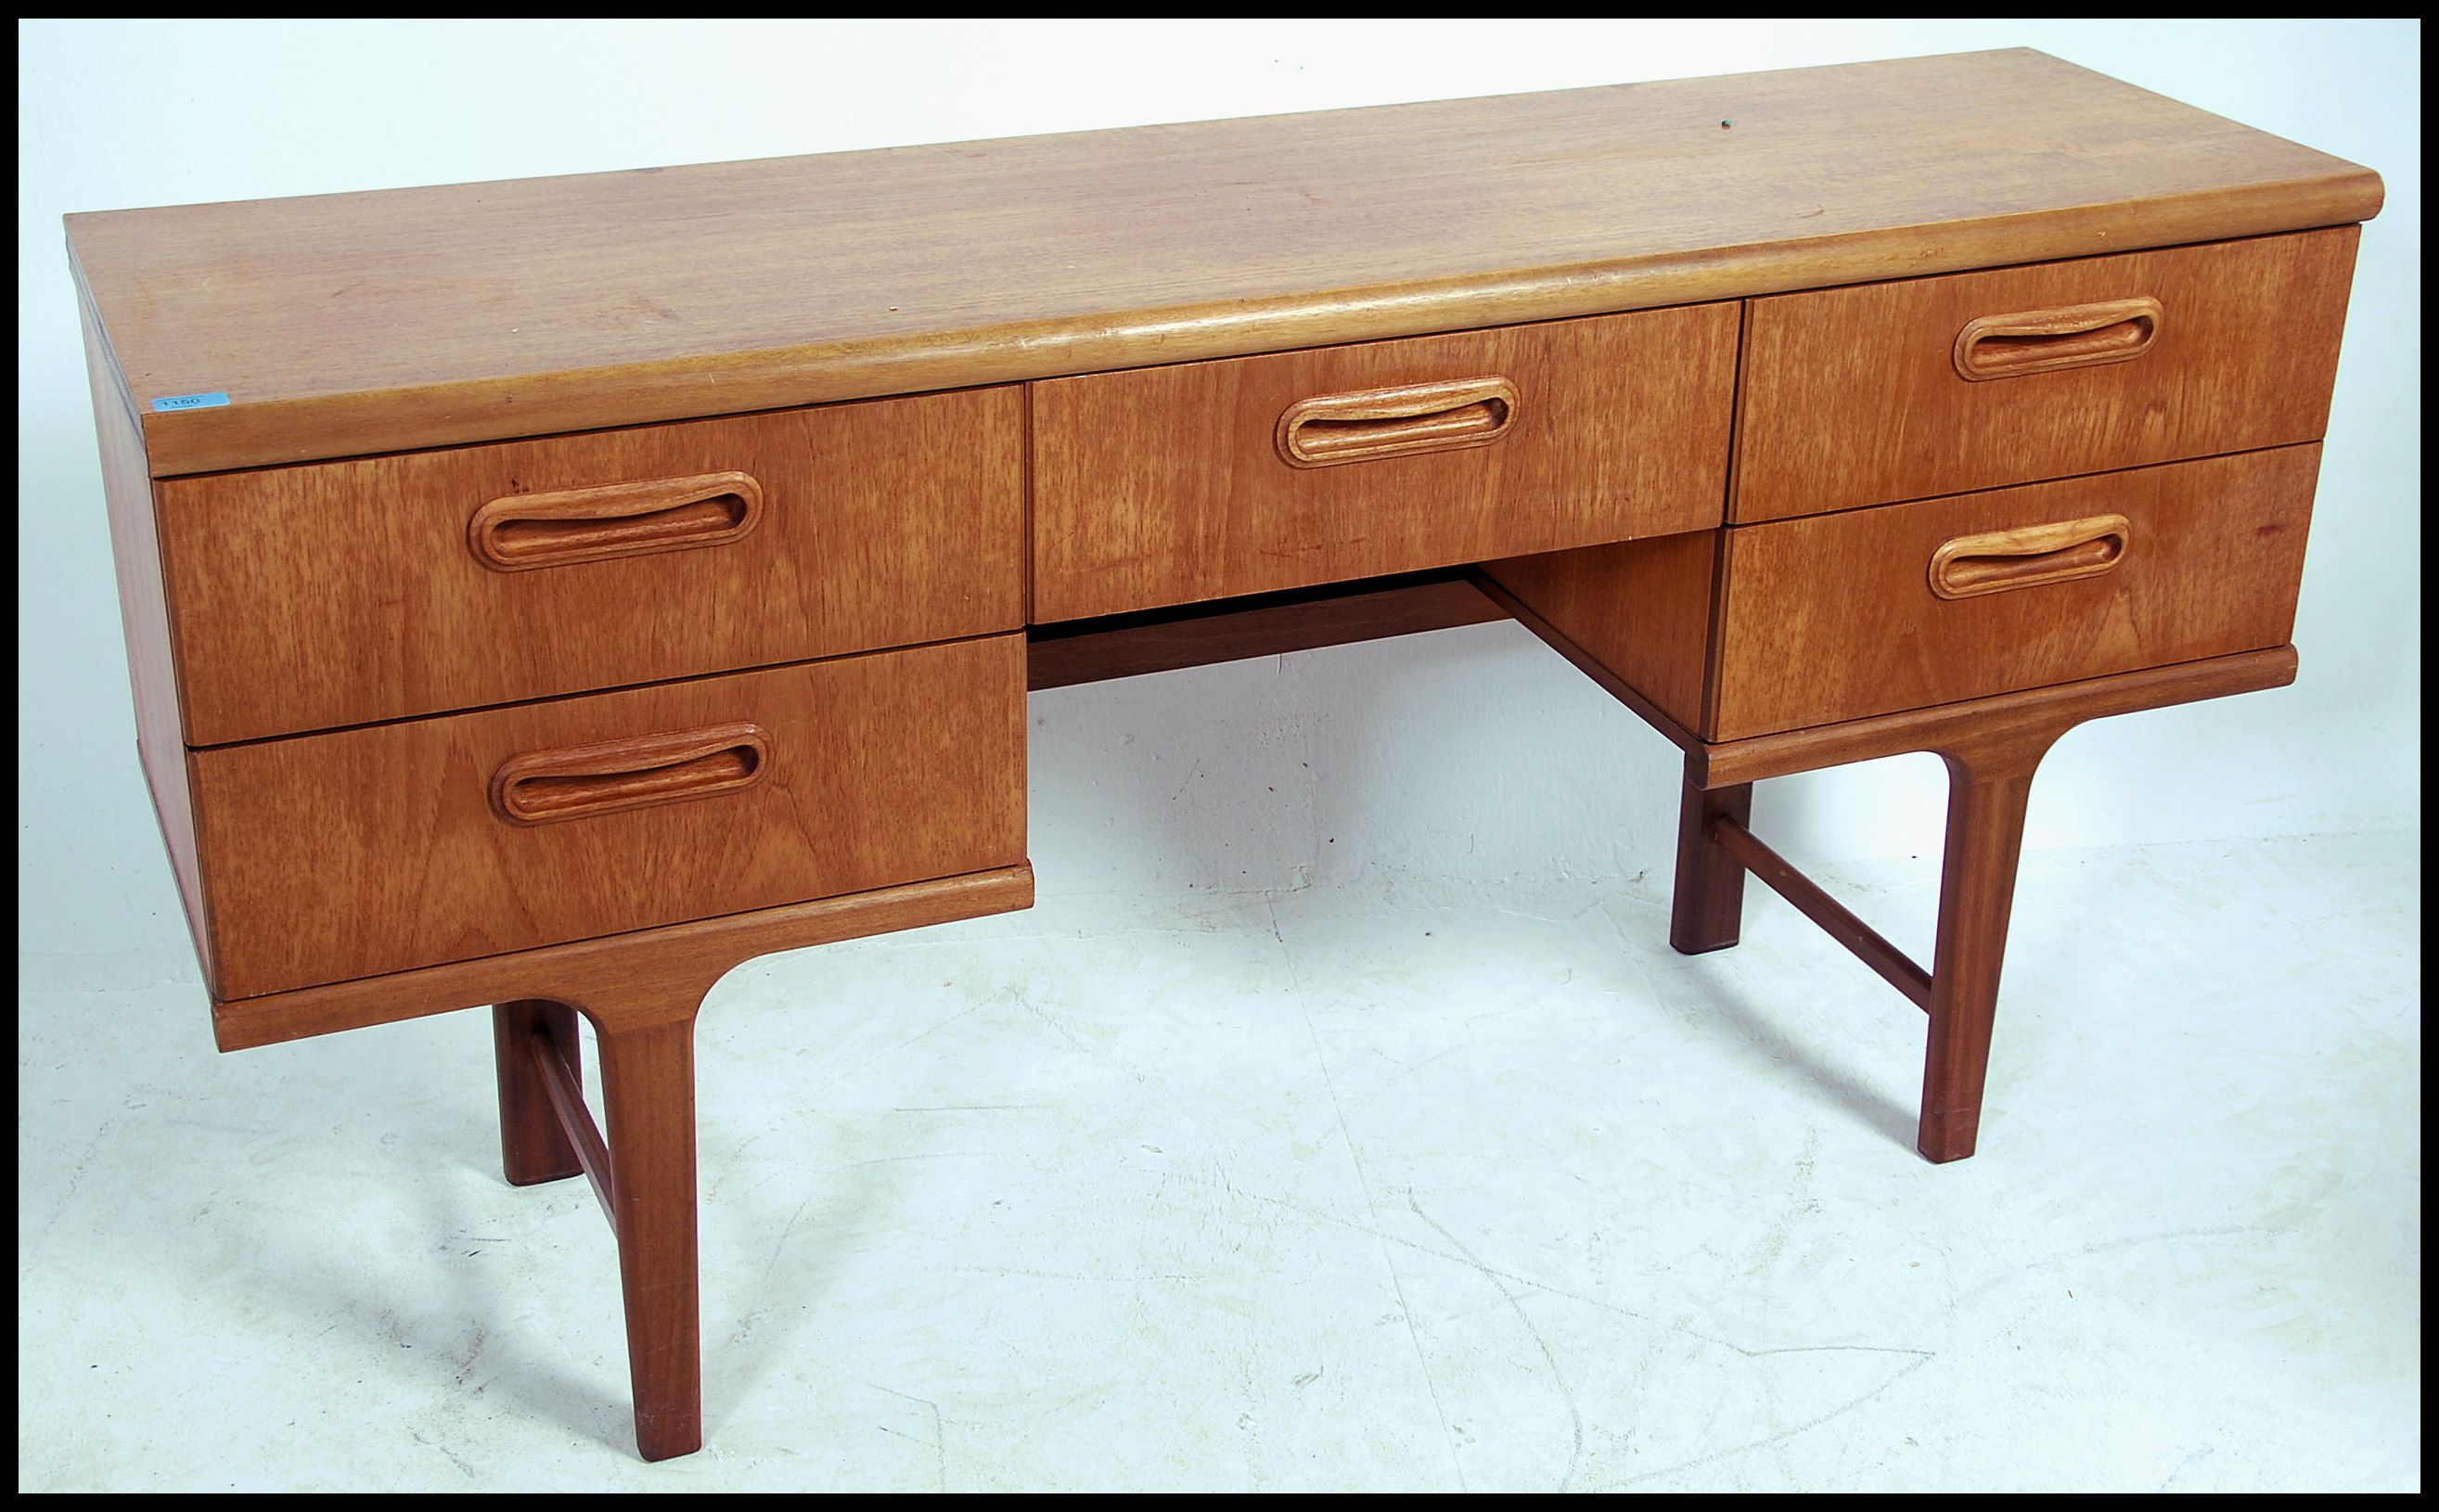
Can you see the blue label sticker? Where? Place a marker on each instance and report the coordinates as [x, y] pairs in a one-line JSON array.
[[190, 401]]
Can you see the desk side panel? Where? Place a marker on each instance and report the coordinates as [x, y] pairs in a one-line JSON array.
[[144, 614], [1642, 610]]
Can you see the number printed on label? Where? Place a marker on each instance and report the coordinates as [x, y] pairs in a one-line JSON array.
[[190, 401]]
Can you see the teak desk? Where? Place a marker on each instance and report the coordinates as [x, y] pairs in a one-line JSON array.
[[548, 595]]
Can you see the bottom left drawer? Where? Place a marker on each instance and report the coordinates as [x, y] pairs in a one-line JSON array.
[[352, 853]]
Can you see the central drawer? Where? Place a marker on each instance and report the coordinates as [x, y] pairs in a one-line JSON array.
[[1207, 480], [330, 857], [341, 592]]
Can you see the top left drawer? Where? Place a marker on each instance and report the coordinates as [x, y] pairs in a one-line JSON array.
[[333, 593]]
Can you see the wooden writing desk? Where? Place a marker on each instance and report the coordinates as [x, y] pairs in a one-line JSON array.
[[548, 595]]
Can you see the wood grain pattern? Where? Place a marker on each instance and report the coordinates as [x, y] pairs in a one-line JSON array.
[[311, 597], [633, 771], [1331, 430], [1834, 618], [346, 325], [144, 617], [1838, 921], [349, 854], [611, 854], [1165, 486], [587, 973], [647, 1102], [1642, 609], [1095, 650], [2048, 341], [525, 532], [1706, 906], [2000, 562], [1987, 799], [2038, 715], [552, 1052], [643, 994], [1992, 748], [534, 1145], [1591, 666], [1851, 396]]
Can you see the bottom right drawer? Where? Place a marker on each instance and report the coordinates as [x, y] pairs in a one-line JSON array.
[[1840, 617]]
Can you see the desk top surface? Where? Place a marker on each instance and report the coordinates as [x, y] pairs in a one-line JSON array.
[[341, 325]]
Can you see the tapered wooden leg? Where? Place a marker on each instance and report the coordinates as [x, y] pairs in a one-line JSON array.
[[1707, 909], [533, 1148], [1977, 890], [648, 1089]]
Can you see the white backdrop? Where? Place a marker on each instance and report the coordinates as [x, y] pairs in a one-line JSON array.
[[1473, 755]]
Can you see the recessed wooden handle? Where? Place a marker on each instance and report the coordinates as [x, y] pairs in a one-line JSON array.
[[2028, 556], [579, 781], [530, 530], [2043, 340], [1378, 422]]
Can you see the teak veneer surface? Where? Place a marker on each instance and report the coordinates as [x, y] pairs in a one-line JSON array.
[[660, 965], [1852, 397], [1642, 608], [336, 593], [1282, 362], [348, 854], [1167, 486], [144, 615], [352, 324], [2009, 725], [1833, 617]]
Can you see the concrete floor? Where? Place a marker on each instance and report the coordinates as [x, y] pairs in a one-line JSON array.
[[1385, 1185]]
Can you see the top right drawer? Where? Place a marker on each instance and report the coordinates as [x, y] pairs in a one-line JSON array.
[[1891, 391]]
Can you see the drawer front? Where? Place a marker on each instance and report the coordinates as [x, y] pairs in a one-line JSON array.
[[308, 598], [1860, 396], [1846, 615], [329, 857], [1204, 480]]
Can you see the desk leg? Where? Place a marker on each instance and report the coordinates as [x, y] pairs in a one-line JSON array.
[[647, 1090], [1977, 890], [1707, 909], [533, 1148]]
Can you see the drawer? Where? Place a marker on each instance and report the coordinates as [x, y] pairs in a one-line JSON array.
[[308, 598], [1840, 617], [1204, 480], [1861, 396], [327, 856]]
